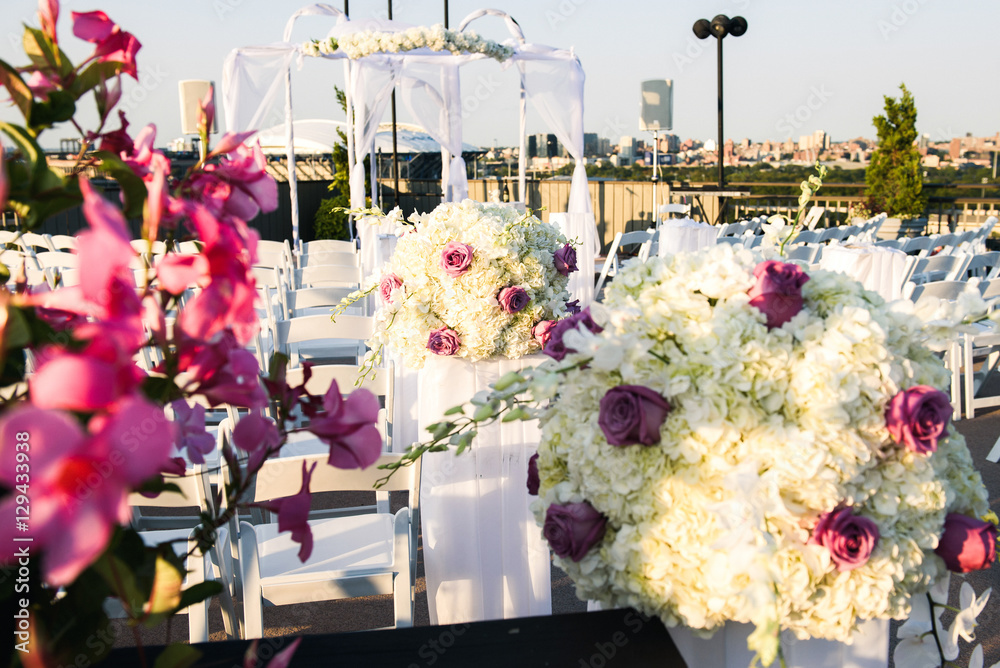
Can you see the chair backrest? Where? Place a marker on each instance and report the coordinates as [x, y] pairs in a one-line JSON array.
[[732, 241], [282, 476], [63, 242], [941, 290], [327, 275], [890, 243], [288, 334], [990, 289], [321, 258], [381, 384], [674, 208], [803, 252], [304, 298], [914, 245], [58, 259], [833, 234], [813, 216], [982, 264], [328, 245], [806, 236], [36, 241]]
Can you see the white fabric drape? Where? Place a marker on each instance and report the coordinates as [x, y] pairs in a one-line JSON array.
[[439, 110], [484, 556], [252, 79], [581, 282]]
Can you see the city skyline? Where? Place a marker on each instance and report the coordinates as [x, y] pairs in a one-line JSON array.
[[798, 68]]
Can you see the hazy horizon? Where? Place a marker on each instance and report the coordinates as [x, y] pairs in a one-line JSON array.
[[799, 68]]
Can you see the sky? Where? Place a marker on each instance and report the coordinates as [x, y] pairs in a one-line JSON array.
[[801, 66]]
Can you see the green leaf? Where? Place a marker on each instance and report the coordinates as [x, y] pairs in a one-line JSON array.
[[25, 141], [166, 594], [18, 333], [484, 412], [92, 76], [19, 92], [60, 108], [199, 592], [455, 410], [177, 655], [508, 379], [39, 48], [132, 185]]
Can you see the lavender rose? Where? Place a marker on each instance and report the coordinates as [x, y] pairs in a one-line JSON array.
[[573, 307], [916, 418], [444, 341], [573, 528], [849, 537], [513, 299], [778, 291], [555, 348], [632, 415], [388, 285], [967, 544], [533, 479], [565, 260], [456, 258]]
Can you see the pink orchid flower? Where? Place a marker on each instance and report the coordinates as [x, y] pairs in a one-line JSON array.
[[80, 480], [41, 85], [48, 15], [192, 437], [112, 43], [93, 379], [348, 427], [293, 514], [222, 371]]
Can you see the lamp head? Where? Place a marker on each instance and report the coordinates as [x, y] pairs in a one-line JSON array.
[[702, 28], [720, 26], [737, 26]]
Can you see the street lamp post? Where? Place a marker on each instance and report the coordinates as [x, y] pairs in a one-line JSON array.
[[720, 26]]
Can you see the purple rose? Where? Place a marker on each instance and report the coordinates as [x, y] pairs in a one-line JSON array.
[[572, 529], [555, 348], [513, 299], [849, 537], [573, 307], [388, 285], [542, 331], [456, 258], [444, 341], [565, 260], [967, 544], [533, 480], [916, 418], [778, 291], [632, 415]]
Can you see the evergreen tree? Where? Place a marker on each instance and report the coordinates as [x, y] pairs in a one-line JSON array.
[[893, 178], [329, 222]]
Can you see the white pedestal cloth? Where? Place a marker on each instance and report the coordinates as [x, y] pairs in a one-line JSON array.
[[878, 269], [685, 235], [728, 648], [484, 556]]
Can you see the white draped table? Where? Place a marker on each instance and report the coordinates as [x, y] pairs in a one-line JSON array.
[[680, 235], [877, 268], [484, 556]]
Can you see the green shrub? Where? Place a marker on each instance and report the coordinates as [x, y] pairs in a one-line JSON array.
[[331, 224]]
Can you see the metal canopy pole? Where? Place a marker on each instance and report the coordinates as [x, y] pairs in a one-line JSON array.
[[395, 152]]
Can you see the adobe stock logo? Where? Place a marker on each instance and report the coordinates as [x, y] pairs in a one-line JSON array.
[[794, 120]]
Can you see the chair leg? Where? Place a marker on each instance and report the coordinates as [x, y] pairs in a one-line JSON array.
[[969, 377], [253, 612], [402, 582]]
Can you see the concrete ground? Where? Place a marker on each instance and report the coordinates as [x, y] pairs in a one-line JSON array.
[[376, 612]]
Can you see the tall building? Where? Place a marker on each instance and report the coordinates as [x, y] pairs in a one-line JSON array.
[[591, 145], [626, 147]]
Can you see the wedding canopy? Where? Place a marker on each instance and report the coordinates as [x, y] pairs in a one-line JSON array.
[[317, 136], [428, 82]]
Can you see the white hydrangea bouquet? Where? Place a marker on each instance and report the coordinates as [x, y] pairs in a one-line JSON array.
[[436, 38], [727, 438], [471, 280]]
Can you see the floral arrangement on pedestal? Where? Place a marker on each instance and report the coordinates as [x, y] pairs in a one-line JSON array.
[[87, 426], [436, 38], [728, 438], [472, 280]]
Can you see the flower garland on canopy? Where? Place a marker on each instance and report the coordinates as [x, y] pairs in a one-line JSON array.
[[436, 38]]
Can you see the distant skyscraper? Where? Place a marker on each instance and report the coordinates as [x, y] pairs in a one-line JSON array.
[[590, 144]]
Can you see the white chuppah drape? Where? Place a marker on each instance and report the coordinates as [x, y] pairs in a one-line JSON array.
[[484, 556], [553, 83]]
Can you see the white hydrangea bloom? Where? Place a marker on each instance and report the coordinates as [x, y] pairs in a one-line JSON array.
[[768, 430]]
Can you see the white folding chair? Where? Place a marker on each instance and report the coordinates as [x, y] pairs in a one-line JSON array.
[[357, 555], [917, 246], [806, 253], [321, 258], [833, 234], [953, 356], [941, 268], [813, 216], [673, 210], [62, 242], [984, 265], [806, 236], [329, 245], [317, 337], [316, 301], [642, 238]]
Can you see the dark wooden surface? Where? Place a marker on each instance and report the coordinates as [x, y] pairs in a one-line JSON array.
[[603, 639]]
